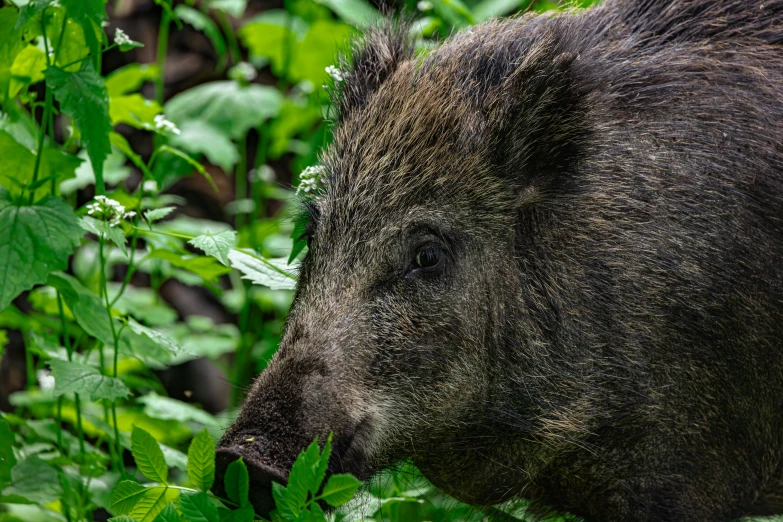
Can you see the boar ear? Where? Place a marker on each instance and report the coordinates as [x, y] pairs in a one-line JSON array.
[[538, 118], [371, 61]]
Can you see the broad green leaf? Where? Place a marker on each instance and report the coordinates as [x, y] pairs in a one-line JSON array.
[[130, 78], [134, 110], [201, 461], [217, 245], [203, 23], [155, 336], [142, 503], [169, 514], [82, 95], [74, 377], [34, 241], [199, 137], [319, 49], [89, 14], [157, 214], [243, 514], [260, 271], [72, 48], [227, 106], [165, 408], [237, 482], [287, 507], [87, 307], [11, 44], [30, 10], [18, 166], [102, 228], [35, 480], [206, 267], [270, 33], [340, 489], [197, 507], [7, 458], [148, 456], [28, 68], [359, 13]]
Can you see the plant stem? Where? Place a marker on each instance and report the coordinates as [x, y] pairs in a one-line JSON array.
[[117, 449], [240, 180], [69, 349], [233, 45], [163, 42]]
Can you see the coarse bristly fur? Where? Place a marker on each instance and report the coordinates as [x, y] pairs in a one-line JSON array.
[[598, 325]]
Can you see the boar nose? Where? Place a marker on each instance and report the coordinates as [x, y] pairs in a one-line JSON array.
[[261, 478]]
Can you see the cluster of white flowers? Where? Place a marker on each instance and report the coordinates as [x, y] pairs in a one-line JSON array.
[[245, 71], [164, 126], [310, 179], [335, 73], [424, 5], [120, 38], [109, 210]]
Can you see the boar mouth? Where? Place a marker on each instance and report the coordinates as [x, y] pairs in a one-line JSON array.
[[261, 477]]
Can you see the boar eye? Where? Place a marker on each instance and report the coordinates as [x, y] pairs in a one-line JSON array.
[[427, 258]]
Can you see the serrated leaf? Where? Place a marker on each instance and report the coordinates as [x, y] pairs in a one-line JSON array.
[[216, 245], [7, 458], [82, 95], [261, 271], [340, 489], [123, 518], [287, 508], [227, 106], [102, 228], [237, 482], [34, 241], [148, 456], [157, 214], [165, 408], [35, 480], [201, 461], [169, 514], [74, 377], [243, 514], [197, 507], [142, 503], [166, 342], [301, 480], [323, 463]]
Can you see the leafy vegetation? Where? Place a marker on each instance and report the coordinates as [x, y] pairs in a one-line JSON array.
[[97, 235]]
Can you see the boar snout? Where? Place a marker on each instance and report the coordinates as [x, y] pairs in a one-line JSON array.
[[261, 478]]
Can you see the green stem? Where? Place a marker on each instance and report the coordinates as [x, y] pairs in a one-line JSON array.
[[134, 239], [163, 42], [258, 184], [228, 29], [240, 180], [170, 234], [29, 364], [69, 349], [116, 450], [41, 139]]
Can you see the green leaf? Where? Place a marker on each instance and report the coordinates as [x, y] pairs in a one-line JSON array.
[[142, 503], [302, 479], [7, 458], [86, 306], [17, 168], [134, 110], [34, 241], [165, 408], [35, 480], [287, 508], [130, 78], [356, 12], [340, 489], [123, 518], [197, 507], [157, 214], [199, 137], [203, 23], [243, 514], [207, 267], [201, 461], [73, 48], [89, 14], [30, 10], [298, 241], [270, 33], [233, 7], [323, 464], [28, 68], [82, 95], [104, 229], [74, 377], [261, 271], [218, 245], [148, 456], [169, 514], [227, 106], [237, 482], [155, 336], [11, 44]]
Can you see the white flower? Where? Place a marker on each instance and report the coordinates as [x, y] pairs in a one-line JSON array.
[[335, 73], [120, 38], [424, 5], [245, 70], [45, 380], [311, 178], [108, 210], [150, 186], [164, 126]]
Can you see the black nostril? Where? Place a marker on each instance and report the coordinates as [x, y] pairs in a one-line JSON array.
[[261, 478]]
